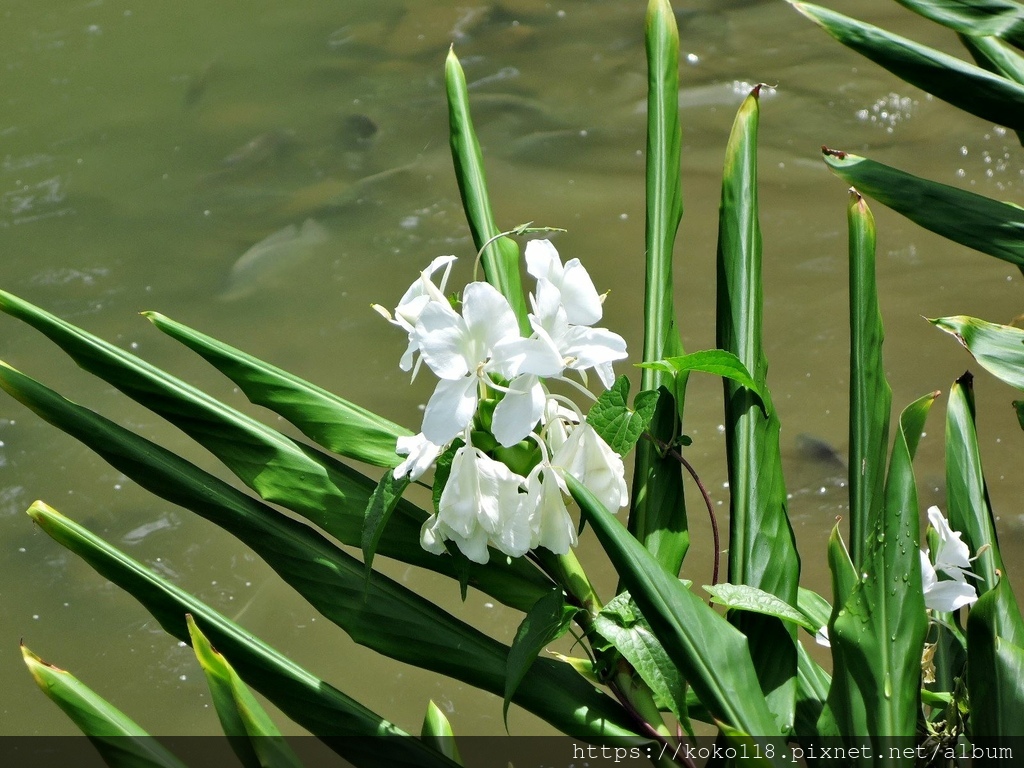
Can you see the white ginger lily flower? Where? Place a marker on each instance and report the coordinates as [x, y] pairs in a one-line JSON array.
[[588, 458], [412, 304], [464, 350], [580, 347], [581, 300], [480, 505], [952, 558]]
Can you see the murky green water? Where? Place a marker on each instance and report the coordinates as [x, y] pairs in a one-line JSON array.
[[144, 148]]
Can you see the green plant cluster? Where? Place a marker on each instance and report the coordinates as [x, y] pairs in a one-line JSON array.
[[658, 656]]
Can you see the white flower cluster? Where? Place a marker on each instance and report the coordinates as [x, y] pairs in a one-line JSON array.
[[479, 357]]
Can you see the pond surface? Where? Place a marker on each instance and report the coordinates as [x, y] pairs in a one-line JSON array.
[[144, 148]]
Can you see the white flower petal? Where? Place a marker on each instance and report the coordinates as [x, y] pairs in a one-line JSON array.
[[821, 636], [489, 319], [589, 459], [514, 356], [591, 347], [542, 260], [943, 596], [580, 297], [421, 452], [552, 526], [431, 536], [949, 596], [441, 335], [450, 409], [519, 410], [953, 554]]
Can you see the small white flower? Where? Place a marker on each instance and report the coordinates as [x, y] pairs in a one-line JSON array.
[[459, 350], [952, 558], [479, 505], [588, 458], [580, 347], [413, 302]]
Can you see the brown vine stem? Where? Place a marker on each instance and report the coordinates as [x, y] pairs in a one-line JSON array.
[[670, 451]]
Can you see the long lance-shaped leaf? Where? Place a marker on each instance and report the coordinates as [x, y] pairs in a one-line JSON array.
[[120, 741], [870, 395], [712, 654], [657, 512], [842, 709], [281, 470], [978, 222], [995, 669], [381, 615], [252, 734], [880, 631], [968, 507], [999, 349], [762, 548], [963, 85], [997, 18], [500, 256], [329, 420], [993, 54], [309, 701]]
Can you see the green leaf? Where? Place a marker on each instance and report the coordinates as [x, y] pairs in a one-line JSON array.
[[870, 395], [382, 503], [881, 628], [978, 222], [623, 626], [717, 362], [842, 705], [995, 56], [306, 699], [384, 616], [545, 622], [615, 422], [742, 597], [281, 470], [963, 85], [998, 348], [252, 735], [1000, 18], [120, 742], [995, 669], [813, 606], [325, 418], [500, 256], [712, 655], [762, 547], [437, 732], [658, 513], [968, 508]]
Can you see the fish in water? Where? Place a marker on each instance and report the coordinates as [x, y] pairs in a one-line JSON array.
[[820, 452], [266, 260]]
